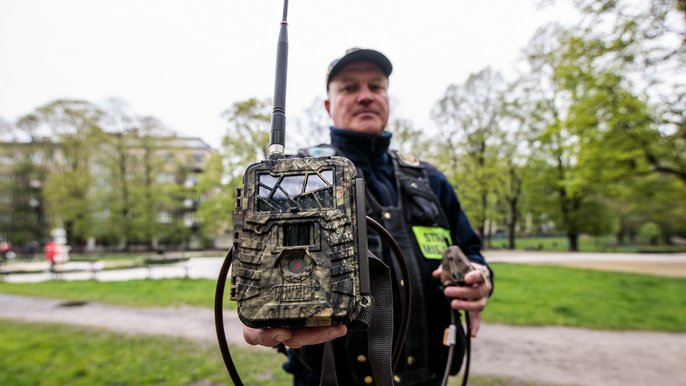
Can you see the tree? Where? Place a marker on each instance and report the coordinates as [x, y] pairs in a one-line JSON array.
[[311, 130], [647, 42], [246, 142], [515, 151], [408, 139], [22, 173], [74, 129], [652, 198], [569, 87], [113, 182], [8, 131], [155, 192], [130, 191], [468, 118]]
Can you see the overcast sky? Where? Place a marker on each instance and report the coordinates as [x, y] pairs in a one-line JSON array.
[[185, 62]]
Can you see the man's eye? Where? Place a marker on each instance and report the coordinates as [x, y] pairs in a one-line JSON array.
[[376, 87]]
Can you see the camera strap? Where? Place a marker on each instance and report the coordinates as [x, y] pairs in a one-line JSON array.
[[378, 319], [329, 377]]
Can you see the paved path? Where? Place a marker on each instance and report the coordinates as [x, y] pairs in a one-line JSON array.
[[196, 268], [661, 264], [561, 356]]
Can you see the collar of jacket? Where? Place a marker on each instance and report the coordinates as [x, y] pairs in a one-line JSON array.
[[361, 147]]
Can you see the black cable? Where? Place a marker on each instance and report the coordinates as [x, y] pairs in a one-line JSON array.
[[468, 348], [405, 321], [451, 349], [219, 319], [455, 321]]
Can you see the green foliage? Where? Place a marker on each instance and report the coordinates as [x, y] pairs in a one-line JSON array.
[[247, 137], [548, 295], [246, 142], [128, 187], [111, 174], [643, 198], [216, 211], [583, 144], [649, 232], [467, 150], [76, 130], [645, 42], [23, 217], [408, 139]]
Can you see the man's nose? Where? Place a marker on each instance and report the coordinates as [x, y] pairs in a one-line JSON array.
[[364, 95]]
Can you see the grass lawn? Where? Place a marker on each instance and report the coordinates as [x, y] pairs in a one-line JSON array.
[[524, 295], [36, 354], [52, 354], [132, 293], [551, 295]]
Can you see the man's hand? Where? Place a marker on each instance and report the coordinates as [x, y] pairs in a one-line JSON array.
[[472, 297], [292, 337]]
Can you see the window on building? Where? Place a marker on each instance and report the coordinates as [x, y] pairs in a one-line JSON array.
[[164, 217], [6, 198], [6, 159], [189, 219], [165, 178], [191, 180]]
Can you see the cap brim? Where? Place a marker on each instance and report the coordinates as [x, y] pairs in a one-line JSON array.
[[361, 55]]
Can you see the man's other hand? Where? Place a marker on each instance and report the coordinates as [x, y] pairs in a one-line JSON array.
[[472, 297]]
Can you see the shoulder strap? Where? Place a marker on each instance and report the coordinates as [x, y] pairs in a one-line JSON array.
[[413, 179]]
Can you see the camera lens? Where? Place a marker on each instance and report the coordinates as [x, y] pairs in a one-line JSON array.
[[296, 265]]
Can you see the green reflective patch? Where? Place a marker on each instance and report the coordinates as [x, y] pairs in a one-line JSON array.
[[432, 240]]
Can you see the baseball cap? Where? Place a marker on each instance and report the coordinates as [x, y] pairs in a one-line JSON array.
[[358, 55]]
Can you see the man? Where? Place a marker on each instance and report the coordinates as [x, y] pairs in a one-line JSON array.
[[405, 196]]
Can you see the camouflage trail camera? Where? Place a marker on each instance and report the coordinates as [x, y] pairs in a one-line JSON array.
[[300, 253]]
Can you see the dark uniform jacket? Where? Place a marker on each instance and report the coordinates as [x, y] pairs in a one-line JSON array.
[[402, 193]]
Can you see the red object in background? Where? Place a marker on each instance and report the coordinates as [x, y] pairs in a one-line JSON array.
[[50, 251]]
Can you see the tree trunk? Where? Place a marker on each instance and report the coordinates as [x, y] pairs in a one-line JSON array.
[[621, 234], [573, 242], [485, 238], [512, 225], [125, 197]]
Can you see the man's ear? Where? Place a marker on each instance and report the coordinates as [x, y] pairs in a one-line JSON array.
[[327, 106]]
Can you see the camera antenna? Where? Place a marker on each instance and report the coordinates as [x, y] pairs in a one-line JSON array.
[[277, 141]]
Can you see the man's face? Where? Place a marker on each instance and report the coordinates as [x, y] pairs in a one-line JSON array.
[[358, 98]]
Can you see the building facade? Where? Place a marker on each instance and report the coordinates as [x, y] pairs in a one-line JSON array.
[[119, 192]]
